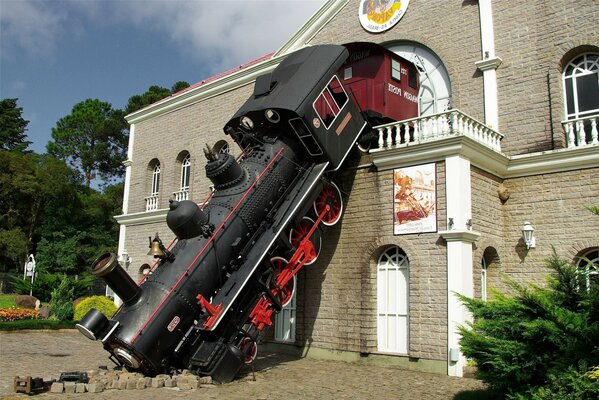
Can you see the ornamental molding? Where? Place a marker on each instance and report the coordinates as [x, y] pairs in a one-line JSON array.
[[488, 64], [460, 236], [487, 159]]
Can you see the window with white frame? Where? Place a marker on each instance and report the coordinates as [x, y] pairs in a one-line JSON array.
[[588, 264], [393, 301], [155, 180], [483, 279], [285, 320], [581, 86], [185, 173]]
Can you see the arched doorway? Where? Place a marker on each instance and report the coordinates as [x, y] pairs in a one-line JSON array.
[[393, 301]]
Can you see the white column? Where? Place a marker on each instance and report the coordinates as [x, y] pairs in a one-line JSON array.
[[123, 228], [459, 238], [489, 63]]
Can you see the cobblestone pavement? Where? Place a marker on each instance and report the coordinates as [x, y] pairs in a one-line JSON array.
[[47, 353]]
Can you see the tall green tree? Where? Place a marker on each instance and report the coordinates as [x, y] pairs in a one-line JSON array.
[[93, 139], [12, 126], [28, 182]]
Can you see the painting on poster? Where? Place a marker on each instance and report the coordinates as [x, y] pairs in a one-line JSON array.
[[414, 199]]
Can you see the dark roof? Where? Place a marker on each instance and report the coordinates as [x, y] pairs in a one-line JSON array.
[[295, 78]]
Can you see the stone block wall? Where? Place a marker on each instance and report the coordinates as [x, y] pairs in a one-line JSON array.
[[337, 303]]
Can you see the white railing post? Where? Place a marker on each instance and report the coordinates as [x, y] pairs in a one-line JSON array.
[[580, 133], [594, 132]]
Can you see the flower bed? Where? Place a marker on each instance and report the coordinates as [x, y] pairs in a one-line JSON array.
[[14, 313]]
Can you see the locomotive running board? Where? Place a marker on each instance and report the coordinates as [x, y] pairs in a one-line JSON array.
[[235, 284]]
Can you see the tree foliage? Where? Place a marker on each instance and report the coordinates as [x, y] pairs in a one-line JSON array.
[[93, 139], [152, 95], [12, 126], [522, 344]]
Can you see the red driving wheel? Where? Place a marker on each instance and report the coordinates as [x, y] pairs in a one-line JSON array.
[[286, 293], [330, 195], [297, 234], [249, 348]]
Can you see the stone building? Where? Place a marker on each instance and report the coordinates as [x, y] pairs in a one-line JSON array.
[[509, 107]]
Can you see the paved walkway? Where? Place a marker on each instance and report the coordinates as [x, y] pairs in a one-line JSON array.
[[47, 353]]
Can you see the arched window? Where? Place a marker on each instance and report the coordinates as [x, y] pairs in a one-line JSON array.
[[393, 301], [588, 264], [155, 180], [185, 173], [152, 199], [483, 279], [435, 88], [581, 86]]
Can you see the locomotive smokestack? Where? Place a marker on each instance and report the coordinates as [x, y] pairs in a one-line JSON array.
[[107, 267]]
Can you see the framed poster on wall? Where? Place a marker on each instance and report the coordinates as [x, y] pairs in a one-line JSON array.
[[415, 199]]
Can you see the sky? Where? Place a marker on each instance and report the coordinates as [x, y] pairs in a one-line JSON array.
[[55, 54]]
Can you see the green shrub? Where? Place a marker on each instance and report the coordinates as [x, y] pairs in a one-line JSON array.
[[568, 385], [46, 282], [523, 344], [100, 303], [36, 324], [61, 305]]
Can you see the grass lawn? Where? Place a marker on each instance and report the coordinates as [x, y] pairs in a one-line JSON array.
[[7, 300]]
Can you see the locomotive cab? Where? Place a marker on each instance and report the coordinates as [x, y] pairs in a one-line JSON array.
[[303, 100]]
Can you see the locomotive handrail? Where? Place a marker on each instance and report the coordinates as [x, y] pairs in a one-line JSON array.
[[435, 127]]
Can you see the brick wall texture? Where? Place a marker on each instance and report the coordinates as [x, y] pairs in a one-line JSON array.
[[337, 296]]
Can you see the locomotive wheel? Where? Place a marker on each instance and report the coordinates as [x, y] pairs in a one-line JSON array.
[[330, 195], [279, 263], [297, 234], [250, 349]]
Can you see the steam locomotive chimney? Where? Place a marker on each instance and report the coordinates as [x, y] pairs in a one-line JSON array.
[[222, 169], [107, 267]]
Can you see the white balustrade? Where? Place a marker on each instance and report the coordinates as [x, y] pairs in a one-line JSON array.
[[152, 203], [181, 195], [435, 127], [581, 132]]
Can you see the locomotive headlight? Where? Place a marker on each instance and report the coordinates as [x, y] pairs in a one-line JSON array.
[[272, 116], [126, 358], [247, 122]]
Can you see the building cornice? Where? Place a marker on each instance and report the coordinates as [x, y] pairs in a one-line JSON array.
[[483, 157], [142, 218]]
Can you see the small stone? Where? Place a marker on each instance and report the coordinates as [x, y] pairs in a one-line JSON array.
[[194, 383], [183, 383], [80, 388], [186, 372], [148, 381], [157, 382], [206, 380], [122, 384], [141, 384], [131, 384], [69, 387], [114, 384], [95, 387], [168, 382], [57, 387]]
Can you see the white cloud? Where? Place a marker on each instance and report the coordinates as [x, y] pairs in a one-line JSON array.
[[223, 33], [33, 26], [220, 34]]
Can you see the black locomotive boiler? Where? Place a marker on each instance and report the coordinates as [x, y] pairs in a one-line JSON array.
[[210, 298]]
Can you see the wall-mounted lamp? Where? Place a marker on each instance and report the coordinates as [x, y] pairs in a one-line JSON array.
[[124, 259], [527, 235]]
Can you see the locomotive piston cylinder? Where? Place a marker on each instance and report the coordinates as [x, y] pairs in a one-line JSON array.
[[107, 267]]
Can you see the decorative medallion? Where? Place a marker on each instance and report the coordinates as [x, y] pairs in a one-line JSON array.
[[377, 16]]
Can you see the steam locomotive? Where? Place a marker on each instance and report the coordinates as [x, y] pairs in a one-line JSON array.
[[211, 297]]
